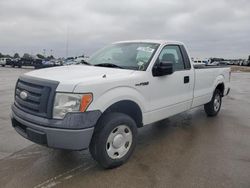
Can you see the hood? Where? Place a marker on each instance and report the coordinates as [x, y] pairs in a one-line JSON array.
[[70, 76]]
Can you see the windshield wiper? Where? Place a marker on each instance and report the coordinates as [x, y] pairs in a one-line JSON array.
[[108, 65]]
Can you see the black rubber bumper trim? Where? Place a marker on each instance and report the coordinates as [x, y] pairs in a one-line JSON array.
[[33, 135]]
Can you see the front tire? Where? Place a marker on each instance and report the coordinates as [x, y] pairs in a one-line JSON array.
[[114, 140], [213, 107]]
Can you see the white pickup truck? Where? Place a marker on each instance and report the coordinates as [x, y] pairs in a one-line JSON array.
[[122, 87]]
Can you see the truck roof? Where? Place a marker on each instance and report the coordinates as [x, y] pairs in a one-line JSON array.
[[151, 41]]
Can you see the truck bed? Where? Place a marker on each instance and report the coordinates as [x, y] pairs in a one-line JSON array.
[[210, 66], [206, 79]]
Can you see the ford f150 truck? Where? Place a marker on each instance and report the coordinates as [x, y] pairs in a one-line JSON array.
[[122, 87]]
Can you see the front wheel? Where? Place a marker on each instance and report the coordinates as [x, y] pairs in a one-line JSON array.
[[213, 107], [114, 140]]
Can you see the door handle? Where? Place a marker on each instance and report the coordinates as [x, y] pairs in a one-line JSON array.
[[186, 79]]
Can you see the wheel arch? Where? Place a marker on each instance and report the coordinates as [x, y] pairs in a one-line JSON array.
[[129, 108], [221, 88], [122, 99], [219, 84]]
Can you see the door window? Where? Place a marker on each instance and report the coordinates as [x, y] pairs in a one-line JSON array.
[[172, 54]]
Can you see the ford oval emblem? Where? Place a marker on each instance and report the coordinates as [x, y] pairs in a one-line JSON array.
[[23, 95]]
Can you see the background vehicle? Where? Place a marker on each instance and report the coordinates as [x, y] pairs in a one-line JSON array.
[[71, 62], [241, 62], [58, 62], [26, 62], [199, 60], [225, 63], [4, 61], [126, 85], [16, 62], [44, 63], [247, 63], [216, 61], [8, 61]]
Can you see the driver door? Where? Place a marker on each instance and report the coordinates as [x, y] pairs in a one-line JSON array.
[[172, 93]]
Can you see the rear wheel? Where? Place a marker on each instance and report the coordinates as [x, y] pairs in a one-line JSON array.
[[213, 107], [114, 140]]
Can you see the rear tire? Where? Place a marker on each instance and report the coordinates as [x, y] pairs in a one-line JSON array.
[[213, 107], [114, 140]]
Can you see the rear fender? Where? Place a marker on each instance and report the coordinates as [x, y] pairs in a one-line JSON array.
[[219, 80]]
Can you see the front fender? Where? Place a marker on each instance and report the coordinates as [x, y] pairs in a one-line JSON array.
[[117, 94]]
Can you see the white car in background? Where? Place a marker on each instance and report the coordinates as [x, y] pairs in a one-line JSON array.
[[245, 63], [3, 61]]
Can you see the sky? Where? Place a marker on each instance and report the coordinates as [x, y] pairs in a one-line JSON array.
[[218, 28]]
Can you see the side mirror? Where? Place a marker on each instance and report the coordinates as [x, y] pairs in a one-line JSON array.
[[162, 69]]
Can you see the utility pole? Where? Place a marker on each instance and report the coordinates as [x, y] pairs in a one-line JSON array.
[[44, 52], [67, 42]]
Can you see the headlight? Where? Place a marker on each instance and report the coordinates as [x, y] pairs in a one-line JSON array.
[[66, 102]]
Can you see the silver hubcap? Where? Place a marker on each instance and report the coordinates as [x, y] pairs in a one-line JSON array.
[[217, 101], [119, 142]]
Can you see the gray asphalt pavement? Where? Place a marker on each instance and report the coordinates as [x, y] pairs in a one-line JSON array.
[[187, 150]]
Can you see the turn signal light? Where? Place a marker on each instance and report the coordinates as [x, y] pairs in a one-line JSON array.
[[85, 102]]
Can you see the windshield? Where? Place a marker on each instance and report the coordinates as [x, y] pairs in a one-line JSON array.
[[134, 56]]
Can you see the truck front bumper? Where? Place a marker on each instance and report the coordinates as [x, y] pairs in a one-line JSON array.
[[74, 132]]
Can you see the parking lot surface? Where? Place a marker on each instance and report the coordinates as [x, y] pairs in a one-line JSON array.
[[187, 150]]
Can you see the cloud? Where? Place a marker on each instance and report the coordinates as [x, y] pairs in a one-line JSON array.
[[218, 28]]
